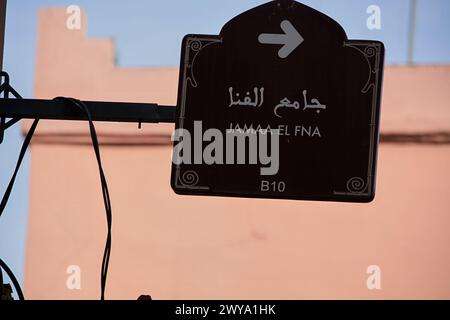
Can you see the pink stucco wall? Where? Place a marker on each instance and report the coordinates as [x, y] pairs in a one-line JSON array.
[[176, 247]]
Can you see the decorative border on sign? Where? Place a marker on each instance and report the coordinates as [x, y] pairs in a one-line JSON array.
[[189, 179], [194, 45], [358, 186]]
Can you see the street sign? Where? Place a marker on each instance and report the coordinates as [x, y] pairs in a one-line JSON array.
[[284, 81]]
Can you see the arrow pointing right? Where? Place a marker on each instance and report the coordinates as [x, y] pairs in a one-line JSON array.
[[290, 40]]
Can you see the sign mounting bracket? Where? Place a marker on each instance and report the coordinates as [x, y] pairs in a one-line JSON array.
[[18, 108]]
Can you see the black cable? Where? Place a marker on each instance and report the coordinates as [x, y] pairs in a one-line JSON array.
[[2, 287], [105, 192], [11, 276], [5, 199], [23, 151]]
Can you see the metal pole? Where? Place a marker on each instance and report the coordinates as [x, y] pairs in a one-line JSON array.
[[2, 45], [2, 30], [412, 31]]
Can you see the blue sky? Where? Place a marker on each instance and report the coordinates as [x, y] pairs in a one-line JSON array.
[[149, 33]]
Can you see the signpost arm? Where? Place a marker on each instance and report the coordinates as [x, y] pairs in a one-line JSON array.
[[59, 109], [100, 111]]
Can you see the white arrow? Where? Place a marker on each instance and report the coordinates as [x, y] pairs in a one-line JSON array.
[[290, 40]]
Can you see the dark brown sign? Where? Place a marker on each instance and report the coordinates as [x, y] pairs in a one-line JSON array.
[[306, 99]]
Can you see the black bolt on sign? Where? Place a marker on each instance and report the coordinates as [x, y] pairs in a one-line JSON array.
[[280, 105]]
